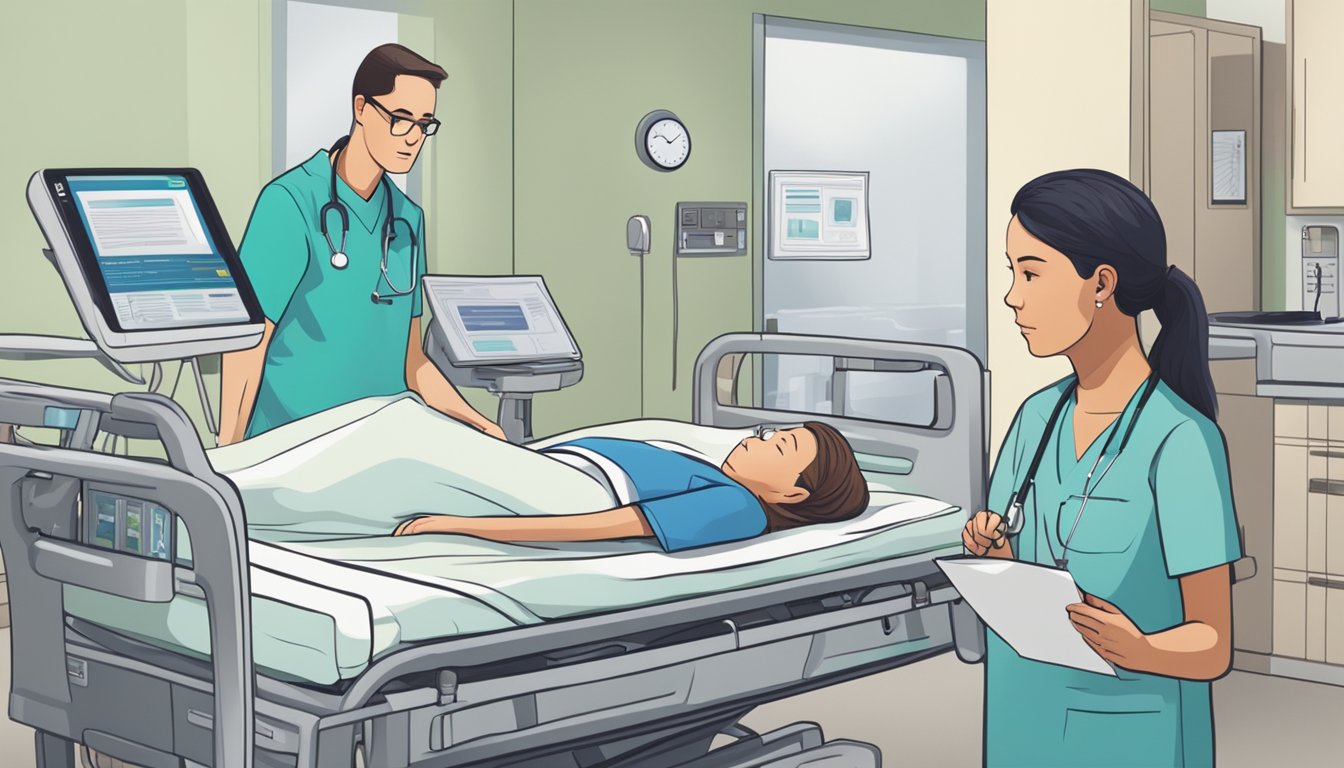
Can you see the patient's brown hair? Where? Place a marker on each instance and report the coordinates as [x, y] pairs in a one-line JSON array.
[[836, 488]]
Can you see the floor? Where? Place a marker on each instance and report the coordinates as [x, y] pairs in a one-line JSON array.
[[1260, 720]]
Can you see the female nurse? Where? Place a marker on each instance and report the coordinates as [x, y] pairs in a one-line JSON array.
[[1131, 493]]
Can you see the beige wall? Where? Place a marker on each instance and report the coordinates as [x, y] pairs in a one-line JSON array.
[[1057, 98]]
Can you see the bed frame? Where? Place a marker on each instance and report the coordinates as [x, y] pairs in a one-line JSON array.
[[648, 687]]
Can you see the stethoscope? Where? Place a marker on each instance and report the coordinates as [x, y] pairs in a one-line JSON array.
[[338, 258], [1015, 517]]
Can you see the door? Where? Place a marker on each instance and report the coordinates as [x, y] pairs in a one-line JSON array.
[[908, 110], [323, 46]]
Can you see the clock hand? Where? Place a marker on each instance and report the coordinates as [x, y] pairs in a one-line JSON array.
[[669, 141]]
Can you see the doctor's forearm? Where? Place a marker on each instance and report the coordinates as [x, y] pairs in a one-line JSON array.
[[441, 395], [1191, 651]]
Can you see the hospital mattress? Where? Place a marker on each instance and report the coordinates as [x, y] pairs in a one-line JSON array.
[[325, 606], [322, 612]]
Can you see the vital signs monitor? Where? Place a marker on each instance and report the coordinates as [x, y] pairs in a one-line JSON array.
[[147, 260], [498, 320]]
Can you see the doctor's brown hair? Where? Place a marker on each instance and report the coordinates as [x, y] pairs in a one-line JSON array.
[[377, 74], [836, 488]]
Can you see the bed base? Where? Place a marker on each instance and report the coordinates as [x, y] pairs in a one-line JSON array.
[[611, 698], [617, 702]]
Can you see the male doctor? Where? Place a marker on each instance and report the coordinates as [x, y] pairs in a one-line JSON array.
[[335, 253]]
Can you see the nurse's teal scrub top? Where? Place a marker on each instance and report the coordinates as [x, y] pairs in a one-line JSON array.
[[1164, 510], [332, 344]]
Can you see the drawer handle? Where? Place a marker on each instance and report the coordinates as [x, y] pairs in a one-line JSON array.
[[204, 720], [1326, 453], [1321, 581], [1328, 487]]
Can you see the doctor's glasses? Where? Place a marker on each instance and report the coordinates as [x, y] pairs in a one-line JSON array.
[[401, 126]]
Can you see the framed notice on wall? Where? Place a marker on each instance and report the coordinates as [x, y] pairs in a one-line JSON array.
[[819, 215], [1228, 168]]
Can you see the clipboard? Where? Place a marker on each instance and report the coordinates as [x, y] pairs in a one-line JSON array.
[[1026, 605]]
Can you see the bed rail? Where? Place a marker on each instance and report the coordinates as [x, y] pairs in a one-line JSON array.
[[45, 550], [949, 455], [955, 440]]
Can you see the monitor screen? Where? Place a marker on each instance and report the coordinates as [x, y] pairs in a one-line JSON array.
[[160, 259], [497, 319]]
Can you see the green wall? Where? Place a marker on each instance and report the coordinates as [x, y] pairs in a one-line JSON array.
[[586, 72], [118, 104], [119, 99], [470, 206], [533, 171], [1187, 7]]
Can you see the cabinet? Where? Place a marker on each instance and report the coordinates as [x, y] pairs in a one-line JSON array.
[[1308, 594], [1205, 77], [1316, 106]]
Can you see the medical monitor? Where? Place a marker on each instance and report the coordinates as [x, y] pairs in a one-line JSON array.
[[147, 261], [498, 320]]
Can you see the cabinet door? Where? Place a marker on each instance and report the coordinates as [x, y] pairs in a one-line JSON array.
[[1317, 107], [1318, 422], [1290, 419], [1334, 624], [1317, 592], [1290, 619], [1334, 514], [1290, 507], [1318, 497]]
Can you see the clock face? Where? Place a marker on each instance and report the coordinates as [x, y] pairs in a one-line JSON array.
[[668, 143]]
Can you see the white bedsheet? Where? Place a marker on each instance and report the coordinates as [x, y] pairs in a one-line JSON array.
[[332, 590], [361, 468]]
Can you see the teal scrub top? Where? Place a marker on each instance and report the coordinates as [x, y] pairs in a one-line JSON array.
[[1164, 510], [332, 344]]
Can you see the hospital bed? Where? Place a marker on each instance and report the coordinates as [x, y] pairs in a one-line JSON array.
[[103, 643]]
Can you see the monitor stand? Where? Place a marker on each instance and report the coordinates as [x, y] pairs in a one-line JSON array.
[[18, 346]]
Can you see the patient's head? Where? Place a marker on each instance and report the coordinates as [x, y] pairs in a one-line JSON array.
[[802, 476]]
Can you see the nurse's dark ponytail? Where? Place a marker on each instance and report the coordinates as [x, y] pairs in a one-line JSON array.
[[1095, 217]]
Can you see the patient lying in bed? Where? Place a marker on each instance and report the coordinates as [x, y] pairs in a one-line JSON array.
[[770, 482]]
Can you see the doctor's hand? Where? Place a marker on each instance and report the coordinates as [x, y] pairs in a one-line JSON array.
[[492, 429], [982, 538], [1110, 632]]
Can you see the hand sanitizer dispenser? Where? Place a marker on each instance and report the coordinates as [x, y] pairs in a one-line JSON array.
[[1320, 269]]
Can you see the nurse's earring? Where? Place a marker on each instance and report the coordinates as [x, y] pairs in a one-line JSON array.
[[1099, 305]]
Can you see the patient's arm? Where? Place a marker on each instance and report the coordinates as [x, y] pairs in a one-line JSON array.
[[619, 523]]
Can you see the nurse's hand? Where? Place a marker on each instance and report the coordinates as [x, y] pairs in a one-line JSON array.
[[1110, 632], [492, 429], [981, 536]]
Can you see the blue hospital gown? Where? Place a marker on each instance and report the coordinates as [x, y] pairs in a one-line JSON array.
[[688, 503]]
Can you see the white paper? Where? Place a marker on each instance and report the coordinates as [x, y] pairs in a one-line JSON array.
[[1229, 166], [1026, 604]]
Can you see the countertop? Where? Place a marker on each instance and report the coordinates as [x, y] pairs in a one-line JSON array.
[[1291, 361]]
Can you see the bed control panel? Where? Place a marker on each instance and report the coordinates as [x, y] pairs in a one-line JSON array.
[[128, 525]]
